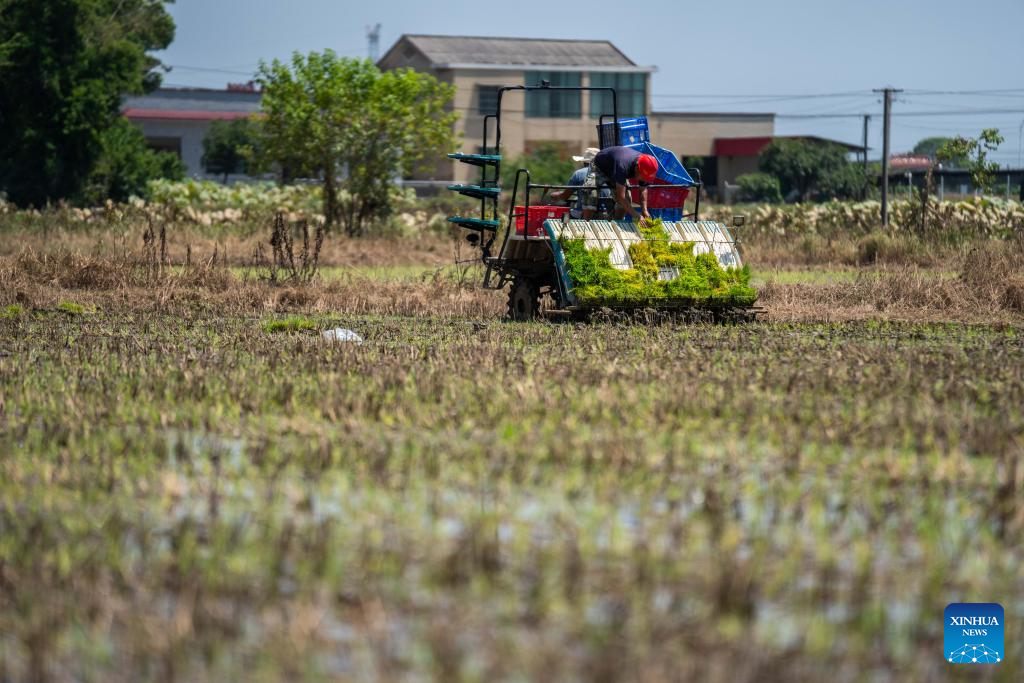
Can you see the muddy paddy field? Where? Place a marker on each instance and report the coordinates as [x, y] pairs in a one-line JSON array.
[[189, 492]]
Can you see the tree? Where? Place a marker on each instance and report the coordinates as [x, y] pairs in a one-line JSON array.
[[974, 155], [812, 169], [64, 67], [548, 165], [929, 147], [228, 147], [126, 166], [759, 187], [355, 126]]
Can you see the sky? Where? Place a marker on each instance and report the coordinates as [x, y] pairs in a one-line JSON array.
[[796, 58]]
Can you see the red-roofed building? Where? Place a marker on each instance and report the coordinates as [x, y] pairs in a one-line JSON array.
[[177, 119]]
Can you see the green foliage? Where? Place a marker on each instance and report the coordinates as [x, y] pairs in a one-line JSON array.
[[71, 308], [126, 166], [699, 279], [972, 154], [229, 146], [291, 324], [929, 147], [813, 169], [64, 67], [206, 195], [355, 126], [759, 187], [548, 165], [11, 312]]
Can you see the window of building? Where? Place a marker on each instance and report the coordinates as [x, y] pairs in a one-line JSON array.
[[630, 91], [487, 98], [165, 144], [552, 103]]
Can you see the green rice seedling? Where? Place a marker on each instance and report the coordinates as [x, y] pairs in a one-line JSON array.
[[700, 279]]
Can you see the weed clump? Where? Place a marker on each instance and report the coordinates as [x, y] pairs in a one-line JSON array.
[[662, 270], [291, 324], [11, 312], [71, 308]]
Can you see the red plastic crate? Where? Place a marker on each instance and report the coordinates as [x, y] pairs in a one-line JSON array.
[[668, 198], [536, 218]]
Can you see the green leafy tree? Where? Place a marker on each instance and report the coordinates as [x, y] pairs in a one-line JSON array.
[[929, 147], [64, 67], [355, 126], [973, 153], [547, 162], [812, 169], [759, 187], [126, 166], [228, 147]]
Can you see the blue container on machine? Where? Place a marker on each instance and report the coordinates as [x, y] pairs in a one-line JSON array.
[[632, 131], [667, 215]]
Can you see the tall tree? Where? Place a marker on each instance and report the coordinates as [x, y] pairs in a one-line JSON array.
[[355, 126], [64, 66]]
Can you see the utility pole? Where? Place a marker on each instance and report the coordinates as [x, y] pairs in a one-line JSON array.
[[373, 42], [867, 118], [887, 94]]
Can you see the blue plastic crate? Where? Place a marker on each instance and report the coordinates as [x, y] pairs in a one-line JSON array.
[[669, 168], [668, 215], [633, 131]]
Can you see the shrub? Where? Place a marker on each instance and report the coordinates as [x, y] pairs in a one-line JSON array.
[[127, 166], [759, 187]]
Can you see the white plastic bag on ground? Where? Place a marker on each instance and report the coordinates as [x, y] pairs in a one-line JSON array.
[[340, 334]]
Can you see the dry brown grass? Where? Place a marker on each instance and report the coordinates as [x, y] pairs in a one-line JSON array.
[[236, 247], [187, 271]]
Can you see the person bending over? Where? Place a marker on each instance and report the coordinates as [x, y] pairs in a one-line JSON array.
[[617, 166]]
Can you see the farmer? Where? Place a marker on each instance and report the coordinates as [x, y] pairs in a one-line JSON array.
[[616, 166], [585, 205]]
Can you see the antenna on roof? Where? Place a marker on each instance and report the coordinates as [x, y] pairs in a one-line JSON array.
[[373, 42]]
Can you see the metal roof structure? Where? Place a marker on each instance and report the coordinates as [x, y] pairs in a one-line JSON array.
[[484, 52], [192, 104]]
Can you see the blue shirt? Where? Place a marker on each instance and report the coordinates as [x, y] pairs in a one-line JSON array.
[[579, 179], [617, 164]]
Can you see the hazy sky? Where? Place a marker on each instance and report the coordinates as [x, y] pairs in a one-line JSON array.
[[746, 55]]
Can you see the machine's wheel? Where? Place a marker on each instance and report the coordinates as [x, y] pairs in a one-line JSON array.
[[524, 300]]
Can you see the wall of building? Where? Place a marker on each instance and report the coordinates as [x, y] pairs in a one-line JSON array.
[[519, 132], [190, 134], [693, 134]]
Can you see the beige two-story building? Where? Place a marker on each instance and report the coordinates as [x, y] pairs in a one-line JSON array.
[[479, 66]]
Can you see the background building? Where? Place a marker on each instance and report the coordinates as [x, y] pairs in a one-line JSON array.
[[478, 66], [724, 145], [177, 119]]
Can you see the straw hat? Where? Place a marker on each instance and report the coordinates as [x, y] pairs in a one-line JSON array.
[[588, 155]]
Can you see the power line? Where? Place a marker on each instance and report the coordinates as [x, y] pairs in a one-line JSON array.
[[901, 114]]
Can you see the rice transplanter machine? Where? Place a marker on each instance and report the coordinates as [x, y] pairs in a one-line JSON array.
[[528, 256]]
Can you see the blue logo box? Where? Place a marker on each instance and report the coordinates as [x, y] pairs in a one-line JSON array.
[[974, 633]]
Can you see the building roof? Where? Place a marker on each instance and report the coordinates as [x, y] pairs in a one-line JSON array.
[[752, 146], [192, 104], [494, 52], [910, 162]]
